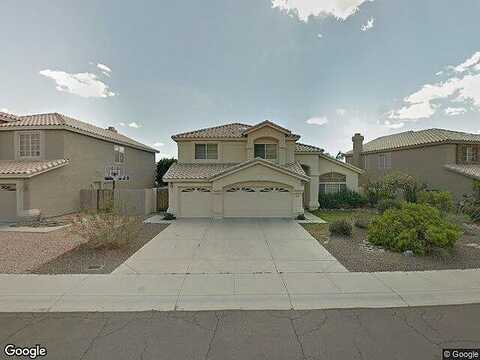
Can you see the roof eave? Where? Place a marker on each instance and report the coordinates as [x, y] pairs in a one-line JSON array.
[[30, 175]]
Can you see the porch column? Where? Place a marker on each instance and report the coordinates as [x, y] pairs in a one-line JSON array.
[[297, 202], [313, 200], [172, 190], [217, 199]]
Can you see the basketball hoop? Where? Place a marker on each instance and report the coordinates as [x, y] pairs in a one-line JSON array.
[[116, 173]]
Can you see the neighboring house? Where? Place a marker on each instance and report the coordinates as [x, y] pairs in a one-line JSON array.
[[239, 170], [46, 159], [443, 159]]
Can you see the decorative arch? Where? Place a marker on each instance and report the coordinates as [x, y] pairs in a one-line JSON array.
[[332, 182], [333, 177]]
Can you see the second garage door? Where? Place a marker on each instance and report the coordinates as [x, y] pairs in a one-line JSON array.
[[257, 202]]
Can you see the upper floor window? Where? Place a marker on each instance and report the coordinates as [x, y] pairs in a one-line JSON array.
[[206, 151], [29, 145], [265, 151], [385, 161], [470, 154], [119, 152]]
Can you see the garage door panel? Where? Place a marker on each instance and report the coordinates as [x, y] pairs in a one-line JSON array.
[[195, 202], [8, 203], [260, 202]]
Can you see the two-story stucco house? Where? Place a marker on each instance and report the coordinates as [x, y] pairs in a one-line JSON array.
[[239, 170], [442, 159], [46, 159]]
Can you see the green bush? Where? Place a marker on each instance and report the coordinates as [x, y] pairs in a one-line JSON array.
[[169, 216], [415, 227], [346, 199], [393, 186], [442, 200], [386, 204], [362, 222], [341, 227]]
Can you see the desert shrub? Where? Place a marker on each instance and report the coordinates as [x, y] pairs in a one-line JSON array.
[[393, 186], [442, 200], [362, 222], [415, 227], [169, 216], [341, 227], [346, 199], [386, 204], [375, 192], [106, 229]]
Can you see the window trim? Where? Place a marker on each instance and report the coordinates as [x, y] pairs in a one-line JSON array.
[[331, 183], [17, 144], [470, 154], [115, 146], [265, 151], [206, 144], [387, 161]]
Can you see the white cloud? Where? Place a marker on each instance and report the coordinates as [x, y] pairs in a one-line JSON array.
[[319, 35], [82, 84], [438, 73], [321, 120], [5, 110], [121, 123], [341, 112], [452, 111], [424, 102], [104, 69], [158, 144], [394, 126], [134, 125], [303, 9], [470, 62], [368, 25]]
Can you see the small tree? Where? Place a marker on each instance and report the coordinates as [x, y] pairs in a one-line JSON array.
[[162, 166]]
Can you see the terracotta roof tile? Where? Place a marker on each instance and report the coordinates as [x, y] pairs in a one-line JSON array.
[[299, 147], [181, 171], [28, 168], [7, 117], [55, 119], [229, 131], [472, 171], [418, 138]]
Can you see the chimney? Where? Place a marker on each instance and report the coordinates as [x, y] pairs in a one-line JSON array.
[[357, 140], [112, 129]]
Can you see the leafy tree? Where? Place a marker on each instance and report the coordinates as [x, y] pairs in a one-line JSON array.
[[162, 166]]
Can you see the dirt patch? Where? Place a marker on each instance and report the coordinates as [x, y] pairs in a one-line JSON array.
[[21, 252], [84, 260], [356, 254]]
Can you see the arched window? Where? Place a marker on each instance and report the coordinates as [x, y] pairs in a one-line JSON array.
[[332, 182]]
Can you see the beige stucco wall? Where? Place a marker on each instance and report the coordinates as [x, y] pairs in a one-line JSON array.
[[426, 165], [7, 145], [58, 191], [228, 151]]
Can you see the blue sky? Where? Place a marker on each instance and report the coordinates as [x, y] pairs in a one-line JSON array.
[[322, 68]]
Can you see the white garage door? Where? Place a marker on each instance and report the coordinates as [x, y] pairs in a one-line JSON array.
[[257, 202], [8, 203], [195, 202]]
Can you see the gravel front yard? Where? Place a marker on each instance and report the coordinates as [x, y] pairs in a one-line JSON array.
[[356, 254], [84, 260], [20, 252]]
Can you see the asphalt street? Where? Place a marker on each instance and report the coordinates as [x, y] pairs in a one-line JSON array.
[[397, 333]]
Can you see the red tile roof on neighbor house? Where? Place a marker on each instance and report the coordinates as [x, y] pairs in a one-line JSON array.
[[409, 139], [56, 120], [227, 131], [472, 171], [12, 168]]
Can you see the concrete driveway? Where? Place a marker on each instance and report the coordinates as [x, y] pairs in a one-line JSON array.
[[232, 246]]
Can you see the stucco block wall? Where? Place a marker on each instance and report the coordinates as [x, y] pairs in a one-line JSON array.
[[54, 144], [228, 151], [426, 165]]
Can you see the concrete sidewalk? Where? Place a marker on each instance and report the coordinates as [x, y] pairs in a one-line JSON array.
[[66, 293]]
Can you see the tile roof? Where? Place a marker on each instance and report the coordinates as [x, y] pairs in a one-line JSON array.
[[60, 120], [472, 171], [7, 117], [12, 168], [228, 131], [418, 138], [182, 171], [299, 147]]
